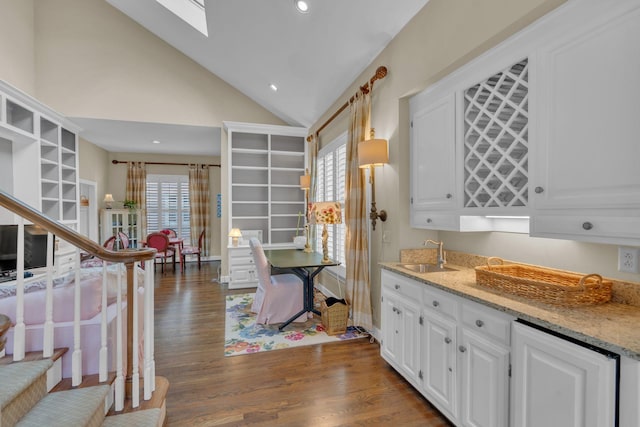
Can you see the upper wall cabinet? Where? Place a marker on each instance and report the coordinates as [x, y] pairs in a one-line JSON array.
[[546, 126], [39, 157], [433, 158], [587, 156]]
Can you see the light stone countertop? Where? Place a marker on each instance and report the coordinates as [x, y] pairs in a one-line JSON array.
[[612, 326]]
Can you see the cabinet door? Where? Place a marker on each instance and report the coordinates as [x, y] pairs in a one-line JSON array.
[[390, 326], [439, 362], [433, 155], [485, 381], [558, 383], [588, 117], [409, 316]]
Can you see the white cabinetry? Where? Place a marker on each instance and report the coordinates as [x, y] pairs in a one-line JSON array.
[[242, 269], [454, 351], [127, 221], [400, 317], [433, 154], [559, 383], [465, 359], [266, 163], [587, 185], [38, 155], [543, 130]]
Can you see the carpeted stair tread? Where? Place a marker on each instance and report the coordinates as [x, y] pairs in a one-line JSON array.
[[22, 385], [78, 407], [148, 417]]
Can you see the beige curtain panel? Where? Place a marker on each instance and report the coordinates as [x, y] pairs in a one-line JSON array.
[[356, 219], [137, 191], [199, 205]]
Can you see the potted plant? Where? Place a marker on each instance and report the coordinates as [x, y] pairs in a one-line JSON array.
[[130, 204]]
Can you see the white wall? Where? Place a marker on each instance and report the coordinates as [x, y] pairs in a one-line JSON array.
[[17, 57]]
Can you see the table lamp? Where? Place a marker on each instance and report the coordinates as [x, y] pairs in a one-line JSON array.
[[235, 234], [326, 213], [108, 201]]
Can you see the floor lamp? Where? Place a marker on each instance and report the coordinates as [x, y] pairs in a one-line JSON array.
[[305, 184]]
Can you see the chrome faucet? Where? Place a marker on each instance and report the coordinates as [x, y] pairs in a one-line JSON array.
[[441, 255]]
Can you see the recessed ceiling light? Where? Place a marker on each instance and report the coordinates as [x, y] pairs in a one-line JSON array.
[[301, 5], [155, 141], [273, 87]]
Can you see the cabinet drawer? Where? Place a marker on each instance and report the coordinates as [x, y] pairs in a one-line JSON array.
[[241, 261], [435, 221], [240, 253], [440, 302], [487, 321], [399, 285], [604, 229]]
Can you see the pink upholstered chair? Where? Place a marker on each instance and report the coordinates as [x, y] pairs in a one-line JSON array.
[[160, 242], [278, 297], [192, 250], [124, 239]]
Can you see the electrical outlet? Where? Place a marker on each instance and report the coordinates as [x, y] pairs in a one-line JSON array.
[[628, 259], [386, 236]]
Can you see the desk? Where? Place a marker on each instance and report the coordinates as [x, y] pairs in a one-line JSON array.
[[304, 265]]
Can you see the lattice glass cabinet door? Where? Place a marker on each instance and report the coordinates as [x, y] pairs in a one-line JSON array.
[[496, 140]]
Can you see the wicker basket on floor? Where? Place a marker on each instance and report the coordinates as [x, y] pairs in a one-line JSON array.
[[557, 287], [334, 317]]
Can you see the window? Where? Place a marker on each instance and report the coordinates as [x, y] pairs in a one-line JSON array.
[[168, 204], [331, 170]]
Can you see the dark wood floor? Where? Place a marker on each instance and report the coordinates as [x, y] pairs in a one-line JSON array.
[[338, 384]]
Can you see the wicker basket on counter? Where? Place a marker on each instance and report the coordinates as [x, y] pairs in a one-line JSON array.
[[557, 287]]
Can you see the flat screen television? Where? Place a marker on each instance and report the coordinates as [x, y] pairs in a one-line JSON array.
[[35, 247]]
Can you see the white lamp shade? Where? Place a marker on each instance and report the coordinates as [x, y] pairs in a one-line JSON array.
[[373, 152], [108, 198], [235, 232]]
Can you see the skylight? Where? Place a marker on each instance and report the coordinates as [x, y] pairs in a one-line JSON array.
[[190, 11]]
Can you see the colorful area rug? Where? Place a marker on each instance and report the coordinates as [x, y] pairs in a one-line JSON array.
[[243, 336]]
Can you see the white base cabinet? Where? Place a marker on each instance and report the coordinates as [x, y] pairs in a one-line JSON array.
[[559, 383], [242, 269], [454, 351], [401, 314]]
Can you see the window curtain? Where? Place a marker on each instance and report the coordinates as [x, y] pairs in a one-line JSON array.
[[199, 205], [356, 218], [137, 191]]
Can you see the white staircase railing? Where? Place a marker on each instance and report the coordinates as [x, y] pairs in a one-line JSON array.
[[127, 265]]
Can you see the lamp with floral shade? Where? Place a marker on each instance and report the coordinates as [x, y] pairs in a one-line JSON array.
[[326, 213]]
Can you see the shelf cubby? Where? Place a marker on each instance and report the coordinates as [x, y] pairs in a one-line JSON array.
[[20, 117]]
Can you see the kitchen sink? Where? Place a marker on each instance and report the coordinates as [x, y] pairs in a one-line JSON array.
[[424, 268]]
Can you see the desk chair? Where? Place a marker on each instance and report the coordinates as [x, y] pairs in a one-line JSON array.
[[278, 297]]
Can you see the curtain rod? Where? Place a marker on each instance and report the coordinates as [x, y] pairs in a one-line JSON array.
[[115, 162], [381, 73]]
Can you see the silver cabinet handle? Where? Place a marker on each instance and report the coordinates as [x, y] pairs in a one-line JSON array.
[[462, 349], [447, 340], [479, 323], [449, 195], [435, 303], [587, 225], [429, 221], [395, 310], [539, 190], [397, 286]]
